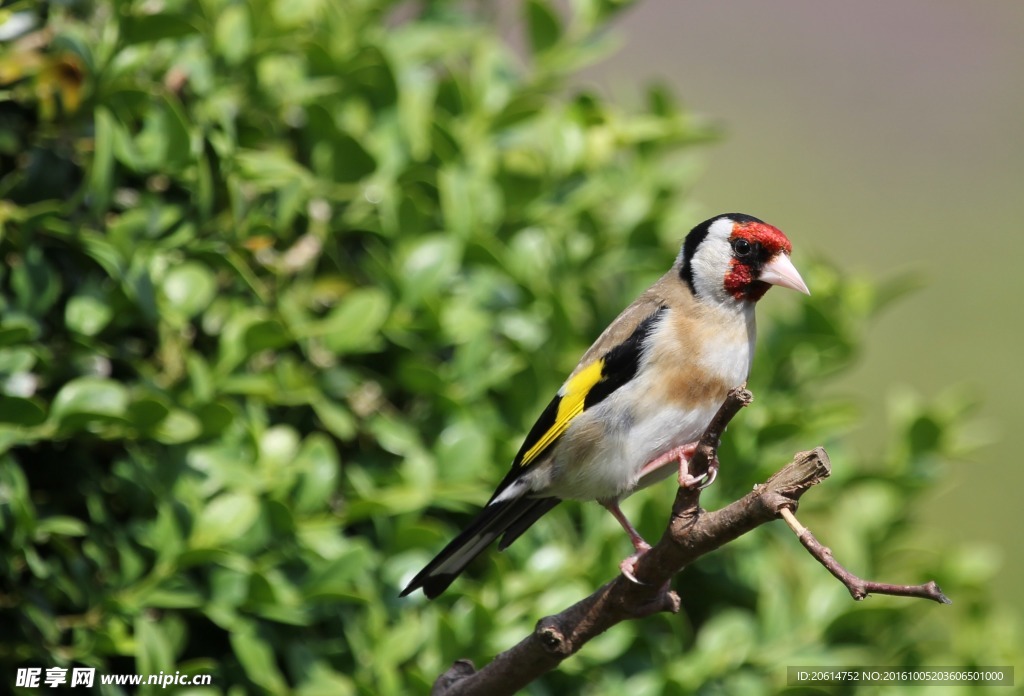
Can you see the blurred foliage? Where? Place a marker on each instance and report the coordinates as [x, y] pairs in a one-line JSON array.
[[283, 285]]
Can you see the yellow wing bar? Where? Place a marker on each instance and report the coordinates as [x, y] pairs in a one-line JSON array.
[[569, 406]]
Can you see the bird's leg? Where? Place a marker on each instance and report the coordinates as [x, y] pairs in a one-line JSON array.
[[612, 506], [681, 454], [628, 564]]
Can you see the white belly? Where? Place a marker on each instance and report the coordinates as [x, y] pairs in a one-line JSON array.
[[612, 466]]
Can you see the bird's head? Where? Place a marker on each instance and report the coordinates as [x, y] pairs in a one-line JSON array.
[[736, 257]]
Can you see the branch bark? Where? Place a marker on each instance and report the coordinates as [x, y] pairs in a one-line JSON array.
[[691, 533]]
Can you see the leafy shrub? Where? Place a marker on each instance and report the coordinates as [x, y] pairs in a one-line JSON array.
[[284, 284]]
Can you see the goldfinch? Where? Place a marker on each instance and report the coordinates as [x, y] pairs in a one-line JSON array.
[[642, 394]]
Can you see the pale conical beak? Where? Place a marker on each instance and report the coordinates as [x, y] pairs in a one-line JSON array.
[[781, 271]]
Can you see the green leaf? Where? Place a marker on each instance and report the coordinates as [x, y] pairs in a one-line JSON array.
[[230, 587], [146, 28], [224, 519], [90, 396], [319, 468], [147, 411], [337, 579], [15, 360], [87, 315], [101, 173], [35, 284], [278, 446], [179, 426], [177, 135], [396, 435], [429, 265], [460, 449], [17, 329], [61, 526], [174, 598], [215, 418], [21, 411], [163, 144], [353, 326], [294, 13], [189, 288], [270, 170], [257, 658], [265, 335], [544, 25], [925, 435], [338, 420], [233, 33], [321, 680], [247, 332], [153, 651]]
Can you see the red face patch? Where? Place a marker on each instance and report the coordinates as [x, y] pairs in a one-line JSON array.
[[739, 281], [766, 241], [771, 239]]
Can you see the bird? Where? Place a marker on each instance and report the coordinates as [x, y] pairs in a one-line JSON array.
[[632, 410]]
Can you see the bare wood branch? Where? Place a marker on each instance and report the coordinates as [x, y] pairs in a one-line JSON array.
[[858, 587], [691, 533]]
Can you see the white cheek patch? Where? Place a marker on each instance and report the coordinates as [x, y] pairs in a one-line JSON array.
[[712, 260]]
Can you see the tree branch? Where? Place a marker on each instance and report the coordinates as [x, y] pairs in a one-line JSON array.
[[857, 586], [690, 534]]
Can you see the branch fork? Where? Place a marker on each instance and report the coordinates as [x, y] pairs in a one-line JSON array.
[[691, 533]]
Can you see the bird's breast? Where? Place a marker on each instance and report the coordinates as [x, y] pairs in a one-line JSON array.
[[705, 348]]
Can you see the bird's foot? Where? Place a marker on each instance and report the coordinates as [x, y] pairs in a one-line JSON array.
[[628, 565], [688, 480]]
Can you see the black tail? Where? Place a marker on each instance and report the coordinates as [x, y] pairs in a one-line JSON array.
[[509, 517]]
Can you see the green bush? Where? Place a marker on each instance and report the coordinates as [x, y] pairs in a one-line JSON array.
[[283, 285]]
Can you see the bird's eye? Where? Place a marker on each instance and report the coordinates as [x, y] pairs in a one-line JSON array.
[[741, 247]]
